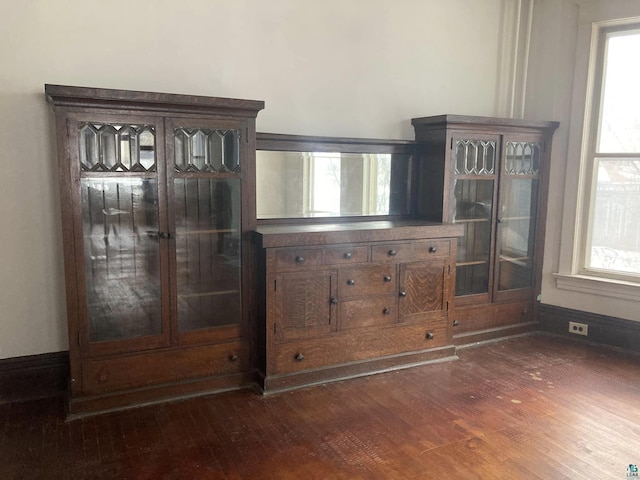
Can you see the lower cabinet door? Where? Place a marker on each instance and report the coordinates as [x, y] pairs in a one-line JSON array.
[[423, 290], [305, 304]]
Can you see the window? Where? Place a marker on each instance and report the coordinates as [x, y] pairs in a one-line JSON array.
[[611, 246]]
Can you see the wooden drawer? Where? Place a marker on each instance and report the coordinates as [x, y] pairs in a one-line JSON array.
[[367, 281], [432, 249], [345, 255], [367, 344], [392, 252], [134, 371], [368, 312], [481, 317], [298, 258]]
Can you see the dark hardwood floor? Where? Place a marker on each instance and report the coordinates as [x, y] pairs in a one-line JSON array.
[[535, 407]]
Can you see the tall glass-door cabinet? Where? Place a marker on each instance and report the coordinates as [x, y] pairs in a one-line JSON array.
[[157, 196], [489, 175]]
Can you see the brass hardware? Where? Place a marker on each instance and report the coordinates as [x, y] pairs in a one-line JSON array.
[[456, 323], [402, 293], [387, 278], [429, 336], [433, 249], [299, 259], [392, 253], [351, 282], [299, 357], [348, 255], [233, 357]]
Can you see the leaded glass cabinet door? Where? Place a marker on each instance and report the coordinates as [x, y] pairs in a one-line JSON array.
[[206, 178], [475, 174], [517, 218], [119, 170]]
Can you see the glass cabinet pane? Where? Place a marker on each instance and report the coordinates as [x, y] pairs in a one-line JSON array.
[[122, 257], [474, 162], [473, 209], [516, 233], [208, 267]]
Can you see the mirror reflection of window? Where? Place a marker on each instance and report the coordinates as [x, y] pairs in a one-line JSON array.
[[324, 184], [324, 179]]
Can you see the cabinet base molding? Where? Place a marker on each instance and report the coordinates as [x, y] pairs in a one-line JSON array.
[[91, 405], [603, 329], [280, 383], [499, 333], [33, 376]]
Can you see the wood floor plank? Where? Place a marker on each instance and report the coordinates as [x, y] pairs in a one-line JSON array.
[[533, 407]]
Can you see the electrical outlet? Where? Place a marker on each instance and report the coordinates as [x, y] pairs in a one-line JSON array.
[[579, 328]]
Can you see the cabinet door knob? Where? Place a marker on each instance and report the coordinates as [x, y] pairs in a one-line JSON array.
[[433, 249], [403, 293], [387, 278], [233, 357], [429, 335], [351, 282], [386, 311], [333, 301], [299, 357], [299, 259], [392, 253], [347, 255]]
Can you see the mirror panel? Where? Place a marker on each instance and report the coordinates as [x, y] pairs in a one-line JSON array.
[[322, 178]]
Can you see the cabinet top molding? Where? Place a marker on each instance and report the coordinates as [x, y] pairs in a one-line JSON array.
[[88, 97], [268, 236], [475, 121]]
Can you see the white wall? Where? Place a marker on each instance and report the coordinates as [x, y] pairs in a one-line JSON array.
[[557, 89], [333, 67]]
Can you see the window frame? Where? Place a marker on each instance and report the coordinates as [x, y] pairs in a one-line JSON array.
[[591, 155]]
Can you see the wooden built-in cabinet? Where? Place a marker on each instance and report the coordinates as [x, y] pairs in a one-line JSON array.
[[347, 299], [158, 202], [490, 176]]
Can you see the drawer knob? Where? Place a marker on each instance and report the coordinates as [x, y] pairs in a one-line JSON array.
[[300, 259], [351, 282], [387, 278], [392, 253], [233, 357], [403, 293], [299, 357], [429, 335], [386, 311], [456, 323], [433, 249], [347, 255], [334, 301]]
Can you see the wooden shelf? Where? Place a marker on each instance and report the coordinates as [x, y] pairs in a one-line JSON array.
[[472, 220], [208, 294], [206, 231]]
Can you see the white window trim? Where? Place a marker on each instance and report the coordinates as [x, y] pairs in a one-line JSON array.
[[571, 273]]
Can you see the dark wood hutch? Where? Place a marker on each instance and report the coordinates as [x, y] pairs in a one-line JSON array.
[[359, 285], [491, 176], [157, 196], [182, 281]]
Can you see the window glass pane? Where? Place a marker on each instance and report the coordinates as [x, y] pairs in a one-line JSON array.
[[615, 238], [619, 130]]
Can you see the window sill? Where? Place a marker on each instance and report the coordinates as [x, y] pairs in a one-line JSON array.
[[605, 287]]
